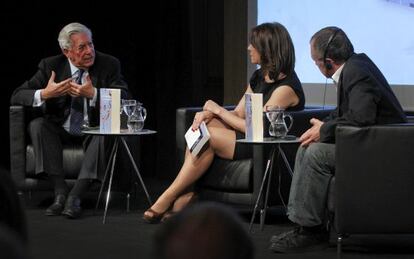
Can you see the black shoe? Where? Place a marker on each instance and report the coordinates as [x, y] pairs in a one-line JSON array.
[[72, 209], [299, 240], [56, 208]]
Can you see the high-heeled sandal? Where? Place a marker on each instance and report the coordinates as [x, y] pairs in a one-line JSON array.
[[167, 216], [155, 218], [174, 211]]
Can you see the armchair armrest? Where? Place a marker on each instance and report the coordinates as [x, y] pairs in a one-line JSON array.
[[19, 116], [17, 143], [373, 179]]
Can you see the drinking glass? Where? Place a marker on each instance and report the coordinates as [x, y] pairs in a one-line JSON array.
[[128, 106]]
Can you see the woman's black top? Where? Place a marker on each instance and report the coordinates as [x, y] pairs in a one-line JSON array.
[[259, 85]]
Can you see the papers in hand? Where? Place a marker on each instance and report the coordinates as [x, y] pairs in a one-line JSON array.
[[197, 138]]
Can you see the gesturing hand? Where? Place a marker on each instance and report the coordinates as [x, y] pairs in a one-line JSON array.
[[85, 90], [54, 89], [312, 134]]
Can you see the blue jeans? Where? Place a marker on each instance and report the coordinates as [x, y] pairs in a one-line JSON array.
[[314, 168]]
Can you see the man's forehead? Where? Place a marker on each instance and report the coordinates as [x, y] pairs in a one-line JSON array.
[[313, 52], [81, 38]]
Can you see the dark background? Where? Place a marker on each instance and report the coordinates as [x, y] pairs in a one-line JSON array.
[[171, 52]]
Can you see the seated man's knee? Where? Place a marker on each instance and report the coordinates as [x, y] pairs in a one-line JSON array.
[[318, 152]]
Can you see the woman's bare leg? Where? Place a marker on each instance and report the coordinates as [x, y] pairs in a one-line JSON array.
[[183, 201], [222, 142], [189, 196]]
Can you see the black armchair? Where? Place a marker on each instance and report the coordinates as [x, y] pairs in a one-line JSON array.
[[22, 166], [22, 163], [238, 182], [373, 180]]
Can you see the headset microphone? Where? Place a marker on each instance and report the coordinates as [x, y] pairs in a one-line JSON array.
[[324, 94], [328, 65]]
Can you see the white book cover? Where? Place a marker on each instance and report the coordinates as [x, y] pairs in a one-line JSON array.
[[110, 105], [254, 116], [196, 139]]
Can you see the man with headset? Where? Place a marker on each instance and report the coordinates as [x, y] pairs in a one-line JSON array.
[[364, 98]]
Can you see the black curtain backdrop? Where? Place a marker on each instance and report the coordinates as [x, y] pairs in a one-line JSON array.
[[155, 42]]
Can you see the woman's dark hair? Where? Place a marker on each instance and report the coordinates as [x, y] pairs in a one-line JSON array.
[[277, 54], [340, 47]]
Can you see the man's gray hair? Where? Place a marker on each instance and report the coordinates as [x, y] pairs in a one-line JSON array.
[[72, 28]]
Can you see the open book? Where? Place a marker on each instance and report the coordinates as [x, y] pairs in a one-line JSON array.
[[197, 139]]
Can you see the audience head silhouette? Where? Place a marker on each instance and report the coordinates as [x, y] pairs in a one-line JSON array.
[[11, 245], [13, 232], [204, 231], [11, 212]]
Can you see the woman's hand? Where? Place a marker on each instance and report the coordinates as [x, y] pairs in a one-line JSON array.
[[212, 107], [205, 116]]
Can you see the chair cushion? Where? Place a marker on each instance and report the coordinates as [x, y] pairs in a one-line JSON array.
[[228, 175], [72, 161]]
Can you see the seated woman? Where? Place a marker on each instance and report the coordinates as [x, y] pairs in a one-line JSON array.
[[270, 47]]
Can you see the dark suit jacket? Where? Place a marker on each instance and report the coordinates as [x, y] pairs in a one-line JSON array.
[[364, 98], [105, 73]]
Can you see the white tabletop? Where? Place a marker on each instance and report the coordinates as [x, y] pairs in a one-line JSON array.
[[123, 132], [290, 139]]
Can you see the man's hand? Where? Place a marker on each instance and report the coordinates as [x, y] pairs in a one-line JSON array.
[[54, 89], [312, 134], [85, 90]]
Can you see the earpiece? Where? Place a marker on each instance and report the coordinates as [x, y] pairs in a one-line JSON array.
[[328, 65]]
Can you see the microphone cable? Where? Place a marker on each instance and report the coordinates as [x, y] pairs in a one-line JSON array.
[[324, 94]]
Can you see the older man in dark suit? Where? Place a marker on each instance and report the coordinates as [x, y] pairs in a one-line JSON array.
[[364, 98], [66, 87]]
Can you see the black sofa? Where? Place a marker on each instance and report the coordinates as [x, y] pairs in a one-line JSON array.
[[238, 182]]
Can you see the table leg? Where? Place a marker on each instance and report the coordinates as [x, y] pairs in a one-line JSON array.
[[285, 159], [110, 161], [261, 190], [269, 179], [110, 180], [137, 171]]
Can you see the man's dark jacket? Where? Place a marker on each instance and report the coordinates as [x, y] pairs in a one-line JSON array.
[[364, 98], [104, 73]]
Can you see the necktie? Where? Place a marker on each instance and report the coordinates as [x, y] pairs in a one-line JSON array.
[[76, 110]]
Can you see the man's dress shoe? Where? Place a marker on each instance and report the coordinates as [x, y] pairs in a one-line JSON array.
[[72, 209], [56, 208]]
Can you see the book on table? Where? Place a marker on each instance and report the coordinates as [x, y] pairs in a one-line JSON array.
[[254, 116], [196, 139], [110, 109]]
